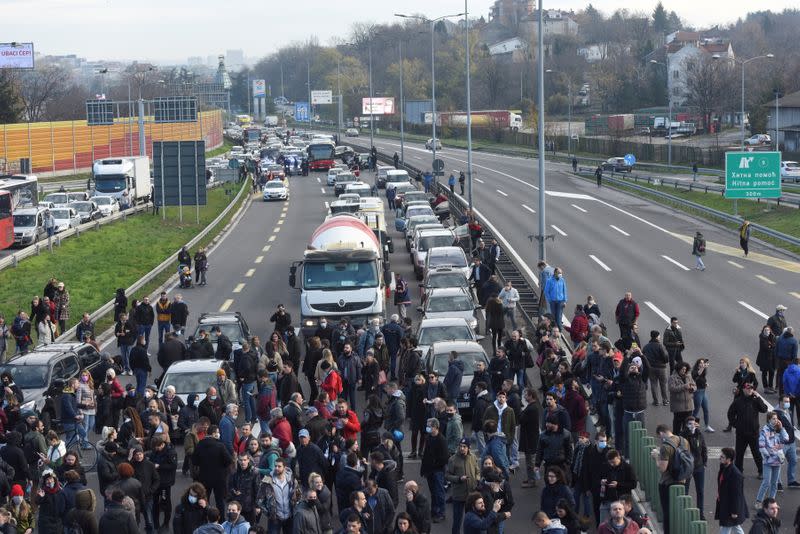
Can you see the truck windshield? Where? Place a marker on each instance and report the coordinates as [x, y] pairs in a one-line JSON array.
[[320, 151], [110, 183], [356, 274]]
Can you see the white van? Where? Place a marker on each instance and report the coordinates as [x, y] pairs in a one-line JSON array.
[[28, 226], [395, 176]]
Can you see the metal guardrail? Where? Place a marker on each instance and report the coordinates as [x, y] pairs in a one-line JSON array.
[[36, 248], [703, 209], [108, 306], [68, 185]]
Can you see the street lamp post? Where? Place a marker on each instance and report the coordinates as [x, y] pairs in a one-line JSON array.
[[402, 118], [371, 116], [469, 106], [542, 183]]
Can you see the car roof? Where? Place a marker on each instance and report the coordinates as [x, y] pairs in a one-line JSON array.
[[448, 291], [220, 317], [195, 366], [442, 321], [37, 357], [28, 211], [446, 250], [427, 232], [444, 347]]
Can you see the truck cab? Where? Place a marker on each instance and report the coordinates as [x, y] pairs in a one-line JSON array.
[[116, 176]]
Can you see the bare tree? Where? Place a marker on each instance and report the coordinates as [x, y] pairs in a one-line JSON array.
[[708, 83], [38, 88]]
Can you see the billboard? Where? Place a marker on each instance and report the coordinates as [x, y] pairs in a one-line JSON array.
[[16, 55], [321, 97], [301, 113], [259, 88], [380, 106]]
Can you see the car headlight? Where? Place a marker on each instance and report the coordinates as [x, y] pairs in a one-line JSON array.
[[309, 322], [473, 323]]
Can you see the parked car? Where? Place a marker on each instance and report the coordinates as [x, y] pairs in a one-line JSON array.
[[469, 352], [380, 177], [87, 209], [342, 179], [617, 164], [56, 200], [351, 132], [790, 171], [447, 256], [232, 325], [107, 205], [758, 140], [395, 177], [332, 174], [439, 277], [426, 239], [359, 188], [432, 331], [275, 190], [191, 376], [429, 144], [28, 226], [65, 218], [423, 208], [449, 303], [76, 196]]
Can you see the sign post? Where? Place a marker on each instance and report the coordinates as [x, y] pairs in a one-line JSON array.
[[752, 175]]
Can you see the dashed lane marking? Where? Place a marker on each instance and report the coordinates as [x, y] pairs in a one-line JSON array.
[[657, 311], [271, 238], [323, 190], [267, 247], [318, 180], [765, 279], [225, 305], [578, 208], [259, 259], [502, 193], [285, 209], [479, 180], [277, 228], [737, 265], [238, 288], [754, 310], [327, 205], [250, 273], [283, 215], [674, 262], [530, 209], [620, 230], [559, 230], [281, 221], [600, 263], [795, 294]]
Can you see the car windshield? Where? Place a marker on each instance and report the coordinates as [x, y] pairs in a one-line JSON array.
[[60, 214], [418, 210], [440, 362], [448, 258], [447, 280], [353, 274], [434, 241], [103, 201], [397, 178], [432, 334], [56, 198], [232, 330], [345, 178], [274, 185], [411, 196], [82, 206], [76, 196], [24, 221], [27, 376], [792, 165], [186, 383], [448, 303]]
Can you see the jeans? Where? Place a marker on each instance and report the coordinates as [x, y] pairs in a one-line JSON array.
[[627, 417], [556, 307], [513, 457], [147, 512], [349, 393], [699, 477], [772, 475], [510, 314], [88, 423], [249, 400], [69, 433], [731, 530], [790, 451], [141, 381], [699, 263], [436, 487], [124, 351], [163, 328], [480, 441], [520, 378], [280, 526], [530, 466], [458, 515], [580, 497], [701, 401], [144, 330]]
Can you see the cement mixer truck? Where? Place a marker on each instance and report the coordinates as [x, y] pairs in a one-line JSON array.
[[343, 273]]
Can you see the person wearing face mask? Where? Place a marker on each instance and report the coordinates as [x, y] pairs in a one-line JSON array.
[[697, 446], [743, 415], [306, 518], [771, 442], [555, 291], [786, 350], [190, 514], [51, 504], [188, 415], [593, 464], [212, 462], [434, 461], [235, 522], [21, 511], [324, 330], [211, 407]]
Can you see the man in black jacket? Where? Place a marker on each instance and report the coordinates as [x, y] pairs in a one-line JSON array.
[[632, 390], [731, 508], [673, 341], [480, 402], [287, 383], [697, 446], [309, 458], [213, 462], [147, 475], [418, 507], [743, 416], [171, 351], [201, 347], [434, 461], [125, 332], [555, 446], [281, 318], [224, 345], [165, 459], [246, 366], [179, 315], [657, 357], [385, 474], [766, 520], [145, 316]]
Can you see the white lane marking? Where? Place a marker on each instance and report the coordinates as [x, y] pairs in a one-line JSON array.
[[266, 247], [259, 259], [283, 215], [685, 268], [238, 288], [737, 265], [479, 180], [620, 230], [530, 209], [578, 208], [502, 193], [559, 230], [765, 279], [795, 294], [280, 221], [575, 196], [271, 238], [327, 205], [250, 273], [277, 228], [657, 311], [600, 263], [323, 190], [318, 180], [225, 305], [754, 310], [285, 209]]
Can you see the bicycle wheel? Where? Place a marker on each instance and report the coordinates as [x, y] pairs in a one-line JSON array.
[[87, 454]]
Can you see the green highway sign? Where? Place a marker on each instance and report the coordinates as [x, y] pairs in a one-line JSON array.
[[752, 175]]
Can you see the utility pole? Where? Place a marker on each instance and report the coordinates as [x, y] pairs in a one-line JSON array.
[[469, 106], [339, 90], [282, 95], [402, 119], [371, 116], [308, 82], [542, 190], [433, 91]]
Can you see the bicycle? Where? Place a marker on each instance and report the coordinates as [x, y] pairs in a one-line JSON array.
[[86, 452]]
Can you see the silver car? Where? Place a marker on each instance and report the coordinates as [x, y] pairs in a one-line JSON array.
[[469, 352], [432, 331], [451, 302], [447, 256], [424, 240]]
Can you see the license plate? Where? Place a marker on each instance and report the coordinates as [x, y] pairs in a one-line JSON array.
[[463, 404]]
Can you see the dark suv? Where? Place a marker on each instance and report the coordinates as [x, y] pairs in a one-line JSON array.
[[232, 325], [41, 375]]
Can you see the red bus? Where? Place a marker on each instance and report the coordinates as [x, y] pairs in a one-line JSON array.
[[321, 155], [16, 191]]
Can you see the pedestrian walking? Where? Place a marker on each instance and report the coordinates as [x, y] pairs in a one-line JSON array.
[[556, 294], [744, 237], [700, 376], [694, 172], [451, 182], [574, 164], [766, 358], [697, 446], [699, 250], [598, 174], [462, 178]]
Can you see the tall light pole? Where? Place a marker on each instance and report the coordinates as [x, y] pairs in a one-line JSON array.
[[542, 184], [371, 116], [569, 109], [402, 118], [432, 23], [669, 120], [339, 90], [469, 107], [308, 83]]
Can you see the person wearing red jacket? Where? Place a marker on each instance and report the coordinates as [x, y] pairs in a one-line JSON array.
[[579, 329], [346, 421], [280, 427], [332, 383]]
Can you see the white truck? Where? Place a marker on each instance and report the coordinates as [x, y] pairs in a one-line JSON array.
[[342, 274], [271, 121], [115, 176]]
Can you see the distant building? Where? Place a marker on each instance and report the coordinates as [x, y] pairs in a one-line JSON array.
[[514, 48], [234, 59], [554, 22], [194, 61], [511, 12]]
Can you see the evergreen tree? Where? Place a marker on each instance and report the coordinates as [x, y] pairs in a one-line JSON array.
[[660, 19], [10, 105]]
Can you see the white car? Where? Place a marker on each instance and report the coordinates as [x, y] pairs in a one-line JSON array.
[[427, 239], [57, 200], [351, 132], [190, 377], [332, 173], [106, 205], [790, 171], [65, 218], [359, 188], [447, 256], [275, 190], [758, 140], [429, 144], [432, 331]]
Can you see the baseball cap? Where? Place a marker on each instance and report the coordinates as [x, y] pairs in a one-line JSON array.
[[303, 434]]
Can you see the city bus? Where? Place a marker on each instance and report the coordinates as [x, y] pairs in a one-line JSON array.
[[321, 155], [16, 191]]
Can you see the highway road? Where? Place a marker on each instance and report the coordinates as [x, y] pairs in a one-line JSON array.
[[608, 242]]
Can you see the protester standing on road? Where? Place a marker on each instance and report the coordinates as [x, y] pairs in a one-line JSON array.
[[61, 300], [731, 507], [179, 314], [665, 457], [462, 178], [598, 174], [626, 314], [184, 257], [743, 416], [212, 461], [681, 395], [163, 316], [700, 376], [786, 351], [126, 336], [766, 358], [744, 236], [556, 294], [699, 250], [451, 183], [673, 341], [771, 440], [200, 266], [766, 520], [434, 461]]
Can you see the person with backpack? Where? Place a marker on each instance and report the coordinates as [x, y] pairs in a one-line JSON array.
[[675, 462], [699, 250], [697, 445], [246, 362]]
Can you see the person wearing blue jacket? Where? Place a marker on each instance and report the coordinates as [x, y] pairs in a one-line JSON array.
[[452, 380], [785, 353], [227, 426], [478, 520], [555, 291]]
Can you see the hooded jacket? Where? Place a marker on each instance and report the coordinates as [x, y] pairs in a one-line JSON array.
[[504, 415], [118, 519], [459, 466], [496, 448], [187, 517], [83, 514], [395, 412], [240, 526], [452, 380], [791, 380]]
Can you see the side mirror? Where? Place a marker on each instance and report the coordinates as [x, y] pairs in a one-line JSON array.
[[480, 338]]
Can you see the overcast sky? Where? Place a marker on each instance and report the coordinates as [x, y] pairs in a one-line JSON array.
[[172, 30]]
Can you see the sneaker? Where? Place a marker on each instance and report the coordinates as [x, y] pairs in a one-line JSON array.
[[780, 487], [665, 403], [794, 484], [709, 429], [727, 429], [412, 456], [514, 466], [655, 403]]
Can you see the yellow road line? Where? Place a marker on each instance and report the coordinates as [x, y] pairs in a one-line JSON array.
[[238, 288], [250, 273], [259, 259], [226, 305]]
